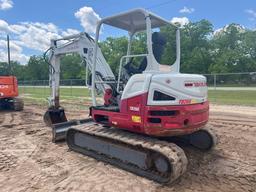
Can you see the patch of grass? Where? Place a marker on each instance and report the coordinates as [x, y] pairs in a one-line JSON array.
[[234, 85], [233, 97], [82, 95], [75, 98], [44, 92]]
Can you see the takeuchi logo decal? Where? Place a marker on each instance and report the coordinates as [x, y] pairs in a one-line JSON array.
[[195, 84]]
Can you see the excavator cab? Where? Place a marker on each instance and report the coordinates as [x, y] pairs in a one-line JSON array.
[[158, 45]]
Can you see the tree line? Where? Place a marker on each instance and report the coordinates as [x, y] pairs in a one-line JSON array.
[[203, 51]]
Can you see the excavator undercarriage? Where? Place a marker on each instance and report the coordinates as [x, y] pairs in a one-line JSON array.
[[15, 104], [158, 159], [9, 96], [151, 158]]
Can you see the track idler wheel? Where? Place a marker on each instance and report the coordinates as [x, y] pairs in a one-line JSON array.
[[54, 116], [161, 164], [203, 139]]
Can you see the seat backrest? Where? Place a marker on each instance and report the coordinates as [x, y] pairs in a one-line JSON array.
[[158, 43]]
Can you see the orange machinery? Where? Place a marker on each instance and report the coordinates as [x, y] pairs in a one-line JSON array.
[[9, 93]]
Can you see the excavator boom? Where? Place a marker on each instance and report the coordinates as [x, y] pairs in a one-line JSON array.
[[83, 45]]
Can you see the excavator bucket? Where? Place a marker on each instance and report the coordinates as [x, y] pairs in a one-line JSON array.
[[54, 116], [57, 120]]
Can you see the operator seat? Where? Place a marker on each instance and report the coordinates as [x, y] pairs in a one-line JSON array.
[[158, 44]]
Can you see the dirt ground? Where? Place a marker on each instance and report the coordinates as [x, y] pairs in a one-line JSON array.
[[30, 162]]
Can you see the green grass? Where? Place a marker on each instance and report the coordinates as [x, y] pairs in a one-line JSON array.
[[70, 98], [233, 97], [82, 95], [44, 92], [231, 85]]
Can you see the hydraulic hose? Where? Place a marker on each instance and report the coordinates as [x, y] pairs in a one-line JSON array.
[[46, 59]]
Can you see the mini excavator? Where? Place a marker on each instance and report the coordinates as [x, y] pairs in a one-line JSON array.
[[9, 89], [141, 105]]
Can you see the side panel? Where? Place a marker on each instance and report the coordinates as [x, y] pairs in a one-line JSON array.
[[132, 106], [137, 85], [175, 120], [184, 88], [8, 87], [169, 120], [130, 117]]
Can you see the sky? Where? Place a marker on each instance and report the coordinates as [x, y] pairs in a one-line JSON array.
[[32, 23]]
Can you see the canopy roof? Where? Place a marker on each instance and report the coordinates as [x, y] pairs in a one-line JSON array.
[[134, 20]]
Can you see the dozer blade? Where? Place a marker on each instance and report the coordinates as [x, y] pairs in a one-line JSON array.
[[203, 139], [59, 130], [54, 116], [157, 160]]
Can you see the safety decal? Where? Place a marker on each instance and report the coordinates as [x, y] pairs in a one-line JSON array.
[[185, 101], [136, 119]]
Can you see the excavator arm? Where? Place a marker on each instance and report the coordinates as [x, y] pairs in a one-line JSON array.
[[82, 44]]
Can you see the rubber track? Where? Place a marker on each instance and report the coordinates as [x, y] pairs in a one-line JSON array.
[[18, 104], [171, 151]]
